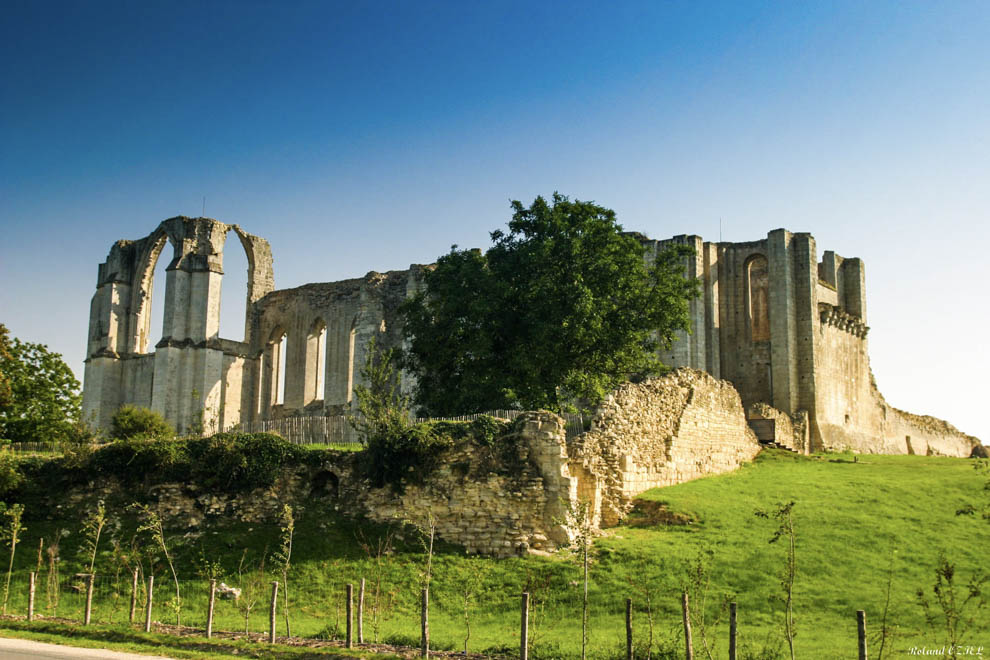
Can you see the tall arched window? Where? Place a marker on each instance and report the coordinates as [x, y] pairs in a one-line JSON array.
[[273, 369], [316, 359], [148, 302], [283, 344], [351, 346], [233, 288], [758, 281]]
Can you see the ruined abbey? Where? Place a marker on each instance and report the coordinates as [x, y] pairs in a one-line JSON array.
[[777, 354], [787, 330]]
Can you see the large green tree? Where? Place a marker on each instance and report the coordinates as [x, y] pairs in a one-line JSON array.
[[39, 395], [560, 309]]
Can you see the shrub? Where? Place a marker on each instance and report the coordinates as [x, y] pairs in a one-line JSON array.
[[135, 422], [404, 453], [242, 461], [10, 474], [136, 460]]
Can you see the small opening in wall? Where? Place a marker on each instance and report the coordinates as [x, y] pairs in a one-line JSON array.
[[847, 419], [280, 365]]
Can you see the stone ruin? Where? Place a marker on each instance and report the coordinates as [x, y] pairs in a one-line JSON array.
[[777, 355], [787, 331]]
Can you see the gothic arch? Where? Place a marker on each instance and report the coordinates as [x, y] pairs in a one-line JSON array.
[[273, 369], [758, 297], [142, 293], [316, 362]]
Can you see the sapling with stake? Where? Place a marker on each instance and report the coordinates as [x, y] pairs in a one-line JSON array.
[[152, 524], [12, 534], [92, 529], [579, 519], [381, 600], [52, 583], [785, 529], [252, 583], [283, 557]]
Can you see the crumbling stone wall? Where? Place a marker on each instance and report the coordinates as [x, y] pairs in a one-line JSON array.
[[501, 509], [787, 330], [660, 432], [487, 511], [790, 431]]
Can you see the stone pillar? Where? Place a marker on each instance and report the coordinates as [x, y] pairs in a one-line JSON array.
[[188, 361], [783, 338], [806, 319], [853, 291], [107, 336], [713, 363], [689, 349]]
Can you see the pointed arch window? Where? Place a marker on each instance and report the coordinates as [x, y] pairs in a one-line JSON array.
[[758, 297], [316, 361]]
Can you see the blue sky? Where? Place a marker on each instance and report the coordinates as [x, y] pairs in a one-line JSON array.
[[367, 136]]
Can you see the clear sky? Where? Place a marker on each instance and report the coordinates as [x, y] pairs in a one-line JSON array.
[[366, 136]]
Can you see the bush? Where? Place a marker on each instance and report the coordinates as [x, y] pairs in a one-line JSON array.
[[135, 422], [242, 461], [11, 476], [397, 454], [135, 460]]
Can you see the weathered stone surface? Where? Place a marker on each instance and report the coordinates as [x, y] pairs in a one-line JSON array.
[[658, 433], [789, 431], [786, 330]]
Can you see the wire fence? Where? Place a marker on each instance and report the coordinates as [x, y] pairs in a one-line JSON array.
[[633, 622], [488, 621]]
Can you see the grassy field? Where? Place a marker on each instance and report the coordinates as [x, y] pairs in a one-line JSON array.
[[859, 523]]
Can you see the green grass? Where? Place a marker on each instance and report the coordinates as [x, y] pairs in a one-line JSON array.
[[855, 522], [123, 638]]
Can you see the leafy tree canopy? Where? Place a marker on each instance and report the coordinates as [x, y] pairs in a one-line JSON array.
[[5, 388], [561, 309], [39, 395]]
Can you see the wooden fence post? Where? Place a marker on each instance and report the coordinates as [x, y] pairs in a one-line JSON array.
[[134, 585], [88, 615], [273, 613], [861, 626], [360, 617], [424, 638], [348, 637], [688, 647], [31, 598], [732, 631], [629, 644], [147, 611], [209, 609], [524, 628]]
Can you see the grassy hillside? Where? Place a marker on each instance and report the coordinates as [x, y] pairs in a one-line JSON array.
[[857, 522]]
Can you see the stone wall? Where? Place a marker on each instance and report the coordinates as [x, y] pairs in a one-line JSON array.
[[477, 498], [785, 329], [659, 432], [790, 431], [485, 509]]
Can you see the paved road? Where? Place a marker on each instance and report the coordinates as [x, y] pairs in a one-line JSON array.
[[24, 649]]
